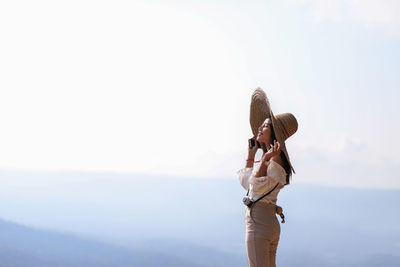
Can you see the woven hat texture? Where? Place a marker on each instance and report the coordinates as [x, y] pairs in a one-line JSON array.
[[284, 125]]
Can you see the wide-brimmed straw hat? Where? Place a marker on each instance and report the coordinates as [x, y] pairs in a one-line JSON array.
[[284, 125]]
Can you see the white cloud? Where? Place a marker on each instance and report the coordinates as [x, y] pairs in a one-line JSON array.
[[373, 14], [352, 165]]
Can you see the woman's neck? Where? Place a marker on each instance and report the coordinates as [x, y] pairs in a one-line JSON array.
[[264, 148]]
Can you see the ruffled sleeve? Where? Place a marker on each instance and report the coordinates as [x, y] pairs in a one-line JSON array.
[[261, 185], [244, 175]]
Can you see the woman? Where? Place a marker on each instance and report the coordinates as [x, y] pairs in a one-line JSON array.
[[265, 180]]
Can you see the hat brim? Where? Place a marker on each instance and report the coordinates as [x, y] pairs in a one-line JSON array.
[[260, 110]]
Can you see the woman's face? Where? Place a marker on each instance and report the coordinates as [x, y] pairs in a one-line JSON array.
[[264, 132]]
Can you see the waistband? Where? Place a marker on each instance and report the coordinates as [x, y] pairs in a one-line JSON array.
[[270, 208], [266, 205]]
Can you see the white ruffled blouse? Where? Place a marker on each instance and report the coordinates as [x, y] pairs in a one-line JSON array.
[[258, 186]]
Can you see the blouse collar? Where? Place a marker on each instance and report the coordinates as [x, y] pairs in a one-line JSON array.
[[275, 163]]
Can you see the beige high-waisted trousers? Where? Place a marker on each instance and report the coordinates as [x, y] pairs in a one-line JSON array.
[[262, 235]]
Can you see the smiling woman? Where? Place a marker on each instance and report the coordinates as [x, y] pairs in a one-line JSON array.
[[264, 182], [83, 83]]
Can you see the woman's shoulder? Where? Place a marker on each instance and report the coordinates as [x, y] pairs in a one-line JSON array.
[[278, 160], [277, 163]]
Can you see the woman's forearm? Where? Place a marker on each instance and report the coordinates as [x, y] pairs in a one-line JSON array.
[[262, 170], [250, 158], [249, 163]]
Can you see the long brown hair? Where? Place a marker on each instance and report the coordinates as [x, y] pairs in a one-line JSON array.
[[287, 168]]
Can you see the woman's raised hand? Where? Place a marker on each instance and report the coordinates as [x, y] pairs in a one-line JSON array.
[[273, 151]]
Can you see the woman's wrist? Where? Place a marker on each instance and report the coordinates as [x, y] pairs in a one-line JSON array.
[[251, 155], [266, 158], [249, 163]]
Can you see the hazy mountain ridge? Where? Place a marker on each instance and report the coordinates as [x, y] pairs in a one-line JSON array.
[[326, 226], [25, 246]]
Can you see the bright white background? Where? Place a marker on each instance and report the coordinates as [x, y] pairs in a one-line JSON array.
[[159, 87]]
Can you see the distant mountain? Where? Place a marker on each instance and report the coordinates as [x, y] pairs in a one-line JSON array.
[[199, 221], [25, 246], [205, 256]]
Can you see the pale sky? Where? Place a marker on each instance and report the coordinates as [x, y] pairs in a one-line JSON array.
[[164, 87]]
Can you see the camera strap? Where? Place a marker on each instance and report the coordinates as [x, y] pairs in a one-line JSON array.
[[263, 195], [253, 202]]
